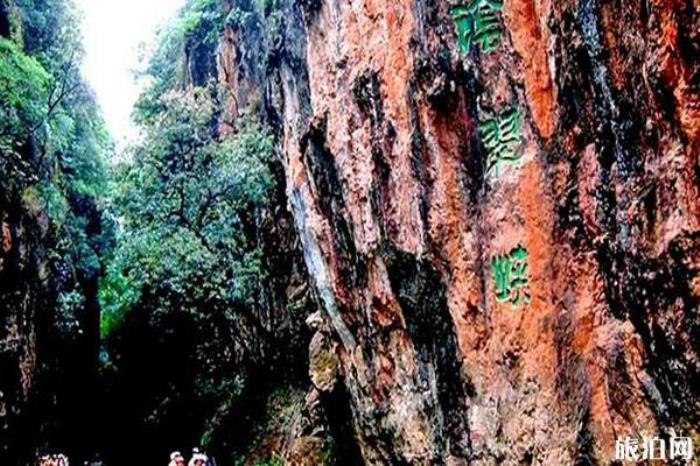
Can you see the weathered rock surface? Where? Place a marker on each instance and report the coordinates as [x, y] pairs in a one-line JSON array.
[[19, 299], [323, 364], [423, 164]]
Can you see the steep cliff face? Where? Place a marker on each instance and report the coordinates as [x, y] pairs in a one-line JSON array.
[[50, 235], [498, 204], [20, 298]]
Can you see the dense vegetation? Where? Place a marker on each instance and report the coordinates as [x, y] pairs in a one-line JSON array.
[[195, 327], [53, 140], [164, 327], [185, 202]]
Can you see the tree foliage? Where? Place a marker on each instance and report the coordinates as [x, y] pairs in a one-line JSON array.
[[186, 204], [24, 85]]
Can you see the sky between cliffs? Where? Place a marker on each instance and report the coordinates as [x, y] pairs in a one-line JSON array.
[[112, 32]]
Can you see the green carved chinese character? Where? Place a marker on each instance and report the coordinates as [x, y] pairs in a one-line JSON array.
[[477, 22], [501, 137], [510, 277]]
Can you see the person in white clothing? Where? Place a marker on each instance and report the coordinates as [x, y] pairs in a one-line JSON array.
[[198, 458], [176, 459]]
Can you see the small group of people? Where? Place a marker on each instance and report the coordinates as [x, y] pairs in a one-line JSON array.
[[198, 459], [53, 460]]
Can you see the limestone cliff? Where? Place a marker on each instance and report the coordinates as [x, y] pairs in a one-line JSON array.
[[498, 205]]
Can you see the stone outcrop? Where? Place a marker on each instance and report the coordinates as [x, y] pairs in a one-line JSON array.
[[498, 204]]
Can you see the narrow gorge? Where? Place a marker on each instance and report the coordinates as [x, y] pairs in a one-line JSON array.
[[382, 232]]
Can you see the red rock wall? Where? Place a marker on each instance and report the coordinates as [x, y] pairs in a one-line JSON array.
[[383, 118]]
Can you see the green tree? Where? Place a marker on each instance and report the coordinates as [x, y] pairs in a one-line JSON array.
[[186, 203], [24, 87]]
